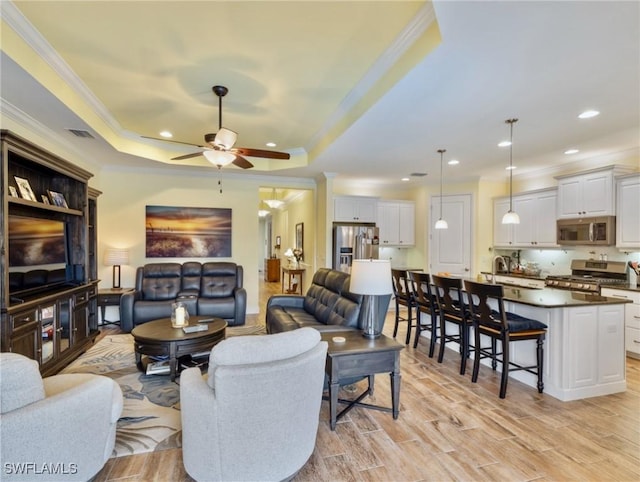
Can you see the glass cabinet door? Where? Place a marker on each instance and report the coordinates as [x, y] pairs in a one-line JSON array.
[[47, 315]]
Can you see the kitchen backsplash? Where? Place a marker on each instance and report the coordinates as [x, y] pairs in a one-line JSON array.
[[558, 261]]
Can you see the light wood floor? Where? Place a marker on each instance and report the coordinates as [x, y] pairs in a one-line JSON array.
[[452, 429]]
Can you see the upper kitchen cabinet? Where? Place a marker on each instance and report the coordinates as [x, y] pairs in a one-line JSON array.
[[628, 211], [589, 193], [355, 209], [396, 220], [537, 228], [537, 211], [502, 233]]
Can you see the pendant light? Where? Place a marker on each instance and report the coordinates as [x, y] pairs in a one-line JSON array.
[[274, 202], [441, 223], [511, 217]]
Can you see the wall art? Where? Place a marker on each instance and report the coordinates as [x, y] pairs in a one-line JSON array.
[[183, 232]]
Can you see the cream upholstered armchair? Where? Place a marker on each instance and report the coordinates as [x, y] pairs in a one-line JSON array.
[[254, 416], [57, 428]]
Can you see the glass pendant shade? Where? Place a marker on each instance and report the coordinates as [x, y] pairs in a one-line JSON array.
[[219, 158], [274, 202], [441, 224], [511, 218], [225, 138]]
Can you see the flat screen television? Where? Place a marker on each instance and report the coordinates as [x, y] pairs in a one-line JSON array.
[[37, 255]]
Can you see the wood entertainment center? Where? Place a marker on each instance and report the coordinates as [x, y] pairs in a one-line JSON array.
[[55, 321]]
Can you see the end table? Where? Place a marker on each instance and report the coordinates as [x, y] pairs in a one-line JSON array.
[[110, 297]]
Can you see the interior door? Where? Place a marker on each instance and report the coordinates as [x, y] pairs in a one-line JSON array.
[[450, 249]]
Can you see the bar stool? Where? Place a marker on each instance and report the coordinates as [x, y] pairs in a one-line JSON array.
[[426, 303], [448, 293], [404, 298], [504, 326]]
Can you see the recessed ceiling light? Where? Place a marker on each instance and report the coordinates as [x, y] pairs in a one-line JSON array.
[[405, 179], [453, 162], [588, 114], [271, 144], [571, 151], [504, 144], [509, 168], [166, 134]]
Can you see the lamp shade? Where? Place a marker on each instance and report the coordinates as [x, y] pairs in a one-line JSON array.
[[219, 158], [288, 253], [441, 224], [116, 257], [511, 218], [371, 277]]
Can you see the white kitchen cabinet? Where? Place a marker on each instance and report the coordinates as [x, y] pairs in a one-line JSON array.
[[631, 318], [502, 233], [537, 211], [359, 209], [537, 228], [628, 211], [589, 193], [396, 220]]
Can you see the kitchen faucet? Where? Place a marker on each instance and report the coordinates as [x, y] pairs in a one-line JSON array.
[[493, 267]]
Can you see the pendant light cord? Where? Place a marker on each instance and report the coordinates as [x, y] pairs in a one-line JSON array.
[[511, 122], [441, 151]]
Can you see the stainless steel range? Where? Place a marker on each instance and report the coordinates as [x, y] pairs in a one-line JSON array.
[[590, 275]]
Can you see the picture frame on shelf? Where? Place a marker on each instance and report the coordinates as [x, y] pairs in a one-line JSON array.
[[13, 191], [45, 199], [25, 188], [57, 199]]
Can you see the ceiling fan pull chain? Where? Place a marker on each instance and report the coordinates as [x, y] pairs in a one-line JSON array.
[[219, 182]]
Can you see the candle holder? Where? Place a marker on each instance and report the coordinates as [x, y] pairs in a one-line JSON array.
[[179, 315]]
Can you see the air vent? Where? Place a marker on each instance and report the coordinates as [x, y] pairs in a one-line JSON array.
[[418, 174], [81, 133]]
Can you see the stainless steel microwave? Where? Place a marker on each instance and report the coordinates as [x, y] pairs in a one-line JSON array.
[[587, 231]]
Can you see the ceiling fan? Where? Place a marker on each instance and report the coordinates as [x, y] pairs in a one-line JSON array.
[[219, 149]]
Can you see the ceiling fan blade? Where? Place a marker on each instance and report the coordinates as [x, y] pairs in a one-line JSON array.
[[242, 162], [246, 151], [171, 140], [186, 156]]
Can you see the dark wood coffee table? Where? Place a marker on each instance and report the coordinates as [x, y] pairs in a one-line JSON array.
[[356, 357], [159, 338]]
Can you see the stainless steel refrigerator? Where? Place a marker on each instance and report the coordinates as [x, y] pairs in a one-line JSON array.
[[354, 241]]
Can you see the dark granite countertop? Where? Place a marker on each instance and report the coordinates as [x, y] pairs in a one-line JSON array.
[[626, 287], [556, 298]]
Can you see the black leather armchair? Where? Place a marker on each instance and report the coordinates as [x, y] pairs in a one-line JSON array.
[[210, 289]]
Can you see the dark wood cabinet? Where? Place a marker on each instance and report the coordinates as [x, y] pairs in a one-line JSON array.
[[272, 269], [51, 322]]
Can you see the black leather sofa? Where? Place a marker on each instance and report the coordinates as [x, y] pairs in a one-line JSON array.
[[327, 306], [208, 289]]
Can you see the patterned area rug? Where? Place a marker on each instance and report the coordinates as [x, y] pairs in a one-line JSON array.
[[150, 419]]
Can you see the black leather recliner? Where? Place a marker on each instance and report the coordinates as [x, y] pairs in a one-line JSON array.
[[210, 289]]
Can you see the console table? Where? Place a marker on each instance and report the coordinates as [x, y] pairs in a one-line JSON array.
[[290, 274], [110, 297]]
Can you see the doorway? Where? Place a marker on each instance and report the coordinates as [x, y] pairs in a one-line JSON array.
[[450, 249]]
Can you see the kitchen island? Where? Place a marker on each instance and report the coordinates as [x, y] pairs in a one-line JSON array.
[[584, 351]]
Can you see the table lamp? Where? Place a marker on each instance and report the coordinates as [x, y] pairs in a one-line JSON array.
[[116, 257], [371, 278]]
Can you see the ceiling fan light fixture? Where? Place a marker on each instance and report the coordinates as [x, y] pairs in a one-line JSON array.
[[225, 138], [219, 158]]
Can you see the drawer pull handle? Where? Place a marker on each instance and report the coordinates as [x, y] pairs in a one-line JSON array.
[[636, 341], [619, 296]]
